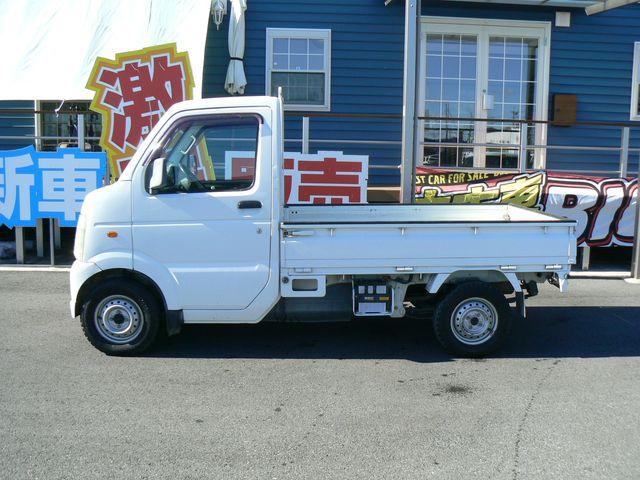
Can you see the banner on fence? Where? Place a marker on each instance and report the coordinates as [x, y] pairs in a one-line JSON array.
[[132, 92], [47, 184], [603, 207]]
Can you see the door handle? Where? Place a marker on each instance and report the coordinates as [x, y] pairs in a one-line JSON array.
[[299, 233], [487, 101], [250, 204]]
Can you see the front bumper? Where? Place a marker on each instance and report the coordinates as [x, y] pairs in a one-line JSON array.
[[80, 273]]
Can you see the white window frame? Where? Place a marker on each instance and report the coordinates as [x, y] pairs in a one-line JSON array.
[[634, 113], [311, 34], [540, 29]]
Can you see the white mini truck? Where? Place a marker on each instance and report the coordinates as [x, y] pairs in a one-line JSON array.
[[172, 243]]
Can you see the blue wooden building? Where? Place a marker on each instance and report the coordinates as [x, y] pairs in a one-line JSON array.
[[502, 60]]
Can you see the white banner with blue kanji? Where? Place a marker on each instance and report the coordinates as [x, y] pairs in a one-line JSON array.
[[47, 184]]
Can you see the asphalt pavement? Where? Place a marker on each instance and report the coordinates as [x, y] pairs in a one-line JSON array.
[[364, 400]]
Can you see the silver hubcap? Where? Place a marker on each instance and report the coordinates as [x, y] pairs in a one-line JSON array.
[[474, 321], [118, 319]]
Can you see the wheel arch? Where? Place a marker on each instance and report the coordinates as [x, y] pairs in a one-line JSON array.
[[439, 280], [112, 273]]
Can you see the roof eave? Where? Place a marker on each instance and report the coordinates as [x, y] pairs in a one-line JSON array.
[[591, 7]]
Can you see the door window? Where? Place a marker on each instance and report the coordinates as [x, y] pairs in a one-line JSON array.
[[210, 155]]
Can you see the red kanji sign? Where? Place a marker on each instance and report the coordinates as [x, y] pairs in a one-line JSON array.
[[322, 178], [325, 178], [132, 92]]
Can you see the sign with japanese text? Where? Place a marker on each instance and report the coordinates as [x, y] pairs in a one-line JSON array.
[[47, 184], [325, 178], [603, 207], [132, 92], [320, 178]]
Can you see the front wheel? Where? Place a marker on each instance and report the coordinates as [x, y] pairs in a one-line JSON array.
[[120, 317], [472, 320]]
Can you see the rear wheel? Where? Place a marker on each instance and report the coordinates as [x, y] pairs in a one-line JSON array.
[[472, 320], [121, 317]]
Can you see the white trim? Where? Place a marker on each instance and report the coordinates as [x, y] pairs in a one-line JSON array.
[[37, 125], [409, 95], [623, 274], [605, 5], [485, 22], [319, 34], [540, 158], [634, 114], [33, 268], [486, 27]]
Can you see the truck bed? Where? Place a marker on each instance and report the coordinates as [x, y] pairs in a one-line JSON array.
[[361, 239]]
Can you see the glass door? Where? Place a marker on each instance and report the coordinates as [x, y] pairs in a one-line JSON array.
[[512, 87], [450, 91], [483, 69]]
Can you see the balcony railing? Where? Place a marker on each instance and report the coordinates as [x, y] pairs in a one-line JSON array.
[[307, 133]]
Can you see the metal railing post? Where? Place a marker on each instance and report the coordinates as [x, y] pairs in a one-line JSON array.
[[523, 147], [52, 246], [635, 257], [107, 173], [305, 134], [624, 151], [38, 144], [19, 231], [40, 237], [81, 131], [586, 257], [56, 233]]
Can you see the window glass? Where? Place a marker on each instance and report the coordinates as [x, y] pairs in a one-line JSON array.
[[512, 82], [62, 129], [450, 91], [211, 155], [300, 88], [300, 64]]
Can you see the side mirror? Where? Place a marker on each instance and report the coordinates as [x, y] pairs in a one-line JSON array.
[[158, 175]]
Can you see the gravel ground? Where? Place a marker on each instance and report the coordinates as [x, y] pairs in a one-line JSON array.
[[374, 399]]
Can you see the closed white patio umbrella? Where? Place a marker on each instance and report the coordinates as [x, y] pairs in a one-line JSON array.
[[236, 81]]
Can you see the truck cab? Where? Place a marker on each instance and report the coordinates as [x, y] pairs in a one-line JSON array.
[[195, 230]]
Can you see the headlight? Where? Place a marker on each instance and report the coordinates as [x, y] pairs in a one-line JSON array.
[[78, 246]]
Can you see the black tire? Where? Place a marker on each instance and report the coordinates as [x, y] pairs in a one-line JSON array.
[[471, 301], [145, 317]]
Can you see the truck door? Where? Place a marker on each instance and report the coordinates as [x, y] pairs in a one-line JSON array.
[[209, 224]]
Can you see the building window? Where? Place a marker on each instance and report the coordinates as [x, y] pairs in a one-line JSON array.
[[635, 83], [62, 130], [299, 61]]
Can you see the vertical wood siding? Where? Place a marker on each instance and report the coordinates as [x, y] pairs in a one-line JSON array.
[[593, 59], [16, 125], [367, 64]]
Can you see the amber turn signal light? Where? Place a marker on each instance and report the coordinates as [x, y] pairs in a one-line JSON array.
[[112, 234]]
